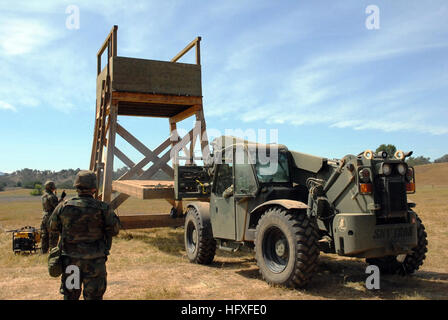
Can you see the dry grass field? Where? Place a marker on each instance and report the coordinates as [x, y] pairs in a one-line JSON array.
[[151, 263]]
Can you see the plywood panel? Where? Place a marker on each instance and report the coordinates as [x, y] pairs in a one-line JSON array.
[[152, 76]]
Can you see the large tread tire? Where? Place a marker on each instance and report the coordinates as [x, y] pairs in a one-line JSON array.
[[198, 238], [412, 262], [295, 232]]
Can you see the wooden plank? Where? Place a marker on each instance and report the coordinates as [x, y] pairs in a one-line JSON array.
[[185, 114], [150, 221], [118, 96], [126, 108], [145, 189], [186, 49]]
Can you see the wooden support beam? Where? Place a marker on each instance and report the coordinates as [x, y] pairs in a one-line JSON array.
[[150, 221], [109, 164], [120, 155], [205, 148], [137, 168], [118, 96], [142, 148], [198, 51], [118, 200], [185, 114], [156, 166], [174, 136]]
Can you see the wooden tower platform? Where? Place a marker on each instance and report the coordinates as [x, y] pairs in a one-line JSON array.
[[145, 88]]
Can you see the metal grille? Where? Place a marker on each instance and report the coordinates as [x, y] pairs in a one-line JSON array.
[[397, 196]]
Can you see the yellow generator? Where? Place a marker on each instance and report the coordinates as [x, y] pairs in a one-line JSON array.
[[25, 239]]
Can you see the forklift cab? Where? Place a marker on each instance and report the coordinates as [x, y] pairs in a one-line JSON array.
[[241, 170]]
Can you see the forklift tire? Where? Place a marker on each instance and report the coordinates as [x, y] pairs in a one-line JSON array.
[[286, 247], [198, 237], [411, 263]]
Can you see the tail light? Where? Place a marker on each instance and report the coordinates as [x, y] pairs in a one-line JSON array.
[[365, 188], [410, 180], [365, 181], [410, 187]]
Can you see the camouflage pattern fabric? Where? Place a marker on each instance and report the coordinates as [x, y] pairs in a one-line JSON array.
[[93, 278], [48, 239], [87, 226]]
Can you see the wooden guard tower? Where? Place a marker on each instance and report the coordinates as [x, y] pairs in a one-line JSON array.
[[145, 88]]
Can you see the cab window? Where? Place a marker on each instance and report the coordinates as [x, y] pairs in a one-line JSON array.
[[224, 175], [245, 182], [272, 169]]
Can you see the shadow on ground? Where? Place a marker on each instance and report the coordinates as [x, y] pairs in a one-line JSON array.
[[335, 278]]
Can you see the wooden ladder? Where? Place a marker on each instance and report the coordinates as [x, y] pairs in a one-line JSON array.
[[96, 161]]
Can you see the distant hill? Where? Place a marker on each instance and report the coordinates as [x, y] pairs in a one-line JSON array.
[[432, 174]]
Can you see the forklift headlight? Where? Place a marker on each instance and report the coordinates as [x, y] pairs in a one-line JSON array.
[[402, 169], [387, 169]]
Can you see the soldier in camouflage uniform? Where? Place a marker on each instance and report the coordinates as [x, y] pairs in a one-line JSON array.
[[87, 226], [49, 203]]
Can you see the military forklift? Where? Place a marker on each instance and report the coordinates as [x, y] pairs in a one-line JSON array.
[[288, 206]]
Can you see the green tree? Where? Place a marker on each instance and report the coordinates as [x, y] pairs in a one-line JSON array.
[[389, 148], [417, 161], [37, 191]]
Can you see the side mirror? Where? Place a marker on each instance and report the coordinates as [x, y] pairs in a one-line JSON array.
[[228, 192]]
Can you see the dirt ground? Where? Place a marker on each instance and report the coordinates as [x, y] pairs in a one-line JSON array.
[[151, 263]]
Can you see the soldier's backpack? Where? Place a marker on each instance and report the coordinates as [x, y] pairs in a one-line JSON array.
[[55, 262]]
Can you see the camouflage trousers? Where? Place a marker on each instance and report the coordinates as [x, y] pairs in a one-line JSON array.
[[48, 239], [92, 280]]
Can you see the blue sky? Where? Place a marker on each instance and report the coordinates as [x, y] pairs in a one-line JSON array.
[[310, 69]]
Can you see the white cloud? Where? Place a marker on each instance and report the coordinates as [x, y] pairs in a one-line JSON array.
[[20, 36], [337, 85], [6, 106]]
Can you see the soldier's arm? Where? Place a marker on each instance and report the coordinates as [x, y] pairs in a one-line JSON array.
[[53, 202], [54, 221], [112, 223]]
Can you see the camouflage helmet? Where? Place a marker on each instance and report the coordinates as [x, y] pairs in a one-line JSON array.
[[85, 180], [50, 185]]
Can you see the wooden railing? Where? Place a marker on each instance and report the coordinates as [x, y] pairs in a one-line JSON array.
[[196, 42], [111, 45]]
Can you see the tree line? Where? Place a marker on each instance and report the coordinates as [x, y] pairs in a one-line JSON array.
[[35, 179], [412, 161]]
